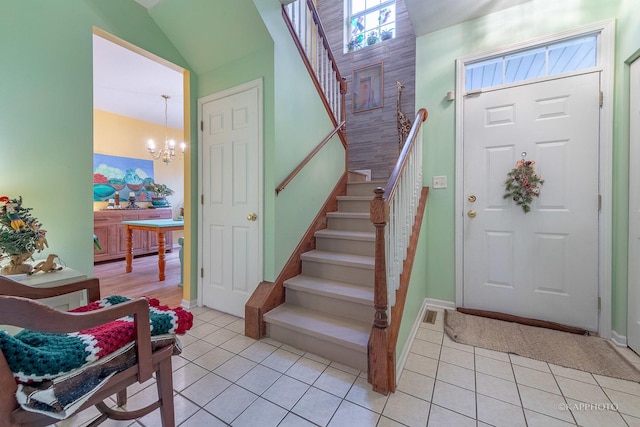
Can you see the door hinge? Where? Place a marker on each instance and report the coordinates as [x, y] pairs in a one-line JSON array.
[[599, 202], [202, 124], [201, 272], [202, 199], [599, 303], [601, 98]]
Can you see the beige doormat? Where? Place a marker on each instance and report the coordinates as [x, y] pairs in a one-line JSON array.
[[582, 352]]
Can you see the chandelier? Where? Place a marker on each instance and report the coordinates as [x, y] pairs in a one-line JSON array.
[[167, 153]]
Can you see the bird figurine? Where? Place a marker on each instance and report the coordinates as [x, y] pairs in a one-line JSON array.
[[16, 221], [47, 265]]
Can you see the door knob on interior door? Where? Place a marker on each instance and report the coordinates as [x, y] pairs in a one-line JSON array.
[[471, 214], [252, 217]]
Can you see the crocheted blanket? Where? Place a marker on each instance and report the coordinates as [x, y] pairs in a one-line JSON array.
[[38, 360]]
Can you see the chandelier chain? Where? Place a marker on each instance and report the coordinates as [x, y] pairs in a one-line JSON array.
[[168, 152]]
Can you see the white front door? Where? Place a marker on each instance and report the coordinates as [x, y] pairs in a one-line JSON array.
[[542, 264], [633, 314], [231, 188]]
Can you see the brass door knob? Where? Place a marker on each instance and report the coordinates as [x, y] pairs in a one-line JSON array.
[[252, 217], [471, 214], [471, 198]]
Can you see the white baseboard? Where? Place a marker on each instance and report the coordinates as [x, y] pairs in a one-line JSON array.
[[440, 303], [407, 345], [618, 340], [187, 304]]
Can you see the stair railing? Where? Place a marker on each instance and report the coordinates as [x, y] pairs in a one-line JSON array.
[[309, 36], [393, 213], [307, 159]]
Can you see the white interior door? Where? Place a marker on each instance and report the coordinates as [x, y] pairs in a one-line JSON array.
[[542, 264], [231, 186], [633, 313]]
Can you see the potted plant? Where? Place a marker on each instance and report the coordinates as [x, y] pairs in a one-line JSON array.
[[372, 38], [20, 235], [160, 193], [386, 34], [353, 45]]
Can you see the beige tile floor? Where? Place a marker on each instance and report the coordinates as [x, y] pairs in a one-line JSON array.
[[224, 378]]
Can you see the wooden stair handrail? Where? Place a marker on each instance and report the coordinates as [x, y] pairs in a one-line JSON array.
[[384, 332], [306, 160], [392, 184]]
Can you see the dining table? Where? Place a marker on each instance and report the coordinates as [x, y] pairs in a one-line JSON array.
[[158, 226]]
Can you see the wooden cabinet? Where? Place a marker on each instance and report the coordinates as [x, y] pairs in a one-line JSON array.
[[105, 227], [113, 237]]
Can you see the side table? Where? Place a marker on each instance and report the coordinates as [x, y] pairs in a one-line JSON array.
[[47, 280]]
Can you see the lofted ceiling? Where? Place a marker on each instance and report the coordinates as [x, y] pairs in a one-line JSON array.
[[428, 16], [129, 84]]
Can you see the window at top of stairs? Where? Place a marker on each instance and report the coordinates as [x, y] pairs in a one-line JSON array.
[[369, 22]]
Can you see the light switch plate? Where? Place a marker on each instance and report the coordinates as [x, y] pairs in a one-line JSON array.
[[439, 182]]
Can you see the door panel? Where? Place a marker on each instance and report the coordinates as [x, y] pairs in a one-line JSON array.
[[542, 264], [633, 316], [232, 250]]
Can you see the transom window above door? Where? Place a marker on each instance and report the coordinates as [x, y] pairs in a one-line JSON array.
[[369, 22], [540, 61]]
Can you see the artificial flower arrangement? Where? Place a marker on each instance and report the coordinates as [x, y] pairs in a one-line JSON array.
[[523, 184], [20, 235], [158, 190]]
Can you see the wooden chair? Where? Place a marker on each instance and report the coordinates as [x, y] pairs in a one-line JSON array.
[[17, 308]]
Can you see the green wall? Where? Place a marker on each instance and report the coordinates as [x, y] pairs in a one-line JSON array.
[[416, 292], [300, 123], [257, 45], [627, 49], [46, 111], [435, 68]]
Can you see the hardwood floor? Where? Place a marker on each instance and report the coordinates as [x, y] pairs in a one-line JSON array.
[[143, 280]]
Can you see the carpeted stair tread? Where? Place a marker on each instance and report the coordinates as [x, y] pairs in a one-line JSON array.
[[347, 235], [365, 188], [331, 288], [345, 332], [350, 215], [365, 198], [336, 258]]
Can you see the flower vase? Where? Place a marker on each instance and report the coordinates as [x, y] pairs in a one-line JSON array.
[[159, 202], [17, 266]]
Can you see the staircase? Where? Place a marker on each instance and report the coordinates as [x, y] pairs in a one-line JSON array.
[[328, 308]]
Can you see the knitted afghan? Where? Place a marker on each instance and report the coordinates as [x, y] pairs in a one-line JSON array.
[[36, 356]]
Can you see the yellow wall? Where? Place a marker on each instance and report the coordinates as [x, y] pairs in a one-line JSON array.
[[117, 135]]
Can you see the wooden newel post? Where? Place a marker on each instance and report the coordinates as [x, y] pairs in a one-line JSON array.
[[379, 374], [379, 220]]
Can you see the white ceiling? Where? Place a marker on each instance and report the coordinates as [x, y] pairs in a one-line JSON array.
[[428, 16], [129, 84]]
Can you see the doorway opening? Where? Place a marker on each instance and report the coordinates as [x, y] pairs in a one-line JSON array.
[[137, 96]]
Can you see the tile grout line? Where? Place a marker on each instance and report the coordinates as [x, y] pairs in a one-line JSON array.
[[433, 389]]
